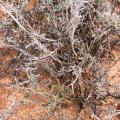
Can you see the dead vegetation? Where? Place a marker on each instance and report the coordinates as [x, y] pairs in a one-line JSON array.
[[60, 48]]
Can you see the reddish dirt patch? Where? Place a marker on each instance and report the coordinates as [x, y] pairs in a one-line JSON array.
[[3, 98], [1, 14], [5, 80], [7, 57], [28, 111], [114, 73], [31, 4]]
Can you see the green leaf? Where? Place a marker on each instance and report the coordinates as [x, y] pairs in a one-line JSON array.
[[97, 2]]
